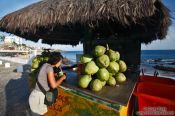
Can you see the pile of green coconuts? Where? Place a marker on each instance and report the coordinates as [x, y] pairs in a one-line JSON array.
[[102, 67]]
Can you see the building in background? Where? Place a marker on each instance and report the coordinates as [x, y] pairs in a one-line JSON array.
[[12, 39], [10, 42]]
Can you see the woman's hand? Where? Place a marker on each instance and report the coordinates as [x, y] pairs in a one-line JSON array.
[[55, 74], [63, 77], [53, 83]]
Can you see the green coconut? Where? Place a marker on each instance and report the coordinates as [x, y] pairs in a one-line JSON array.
[[99, 50], [103, 83], [113, 55], [33, 69], [103, 61], [35, 65], [91, 68], [40, 58], [34, 60], [96, 85], [85, 58], [84, 81], [122, 66], [111, 74], [46, 58], [111, 81], [61, 73], [113, 67], [120, 77], [103, 74]]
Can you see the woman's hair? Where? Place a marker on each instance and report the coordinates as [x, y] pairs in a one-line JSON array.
[[55, 57]]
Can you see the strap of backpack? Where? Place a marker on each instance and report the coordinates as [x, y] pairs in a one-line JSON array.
[[39, 85]]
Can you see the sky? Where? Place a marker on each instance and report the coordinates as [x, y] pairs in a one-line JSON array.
[[8, 6]]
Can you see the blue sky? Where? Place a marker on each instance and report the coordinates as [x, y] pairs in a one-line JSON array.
[[8, 6]]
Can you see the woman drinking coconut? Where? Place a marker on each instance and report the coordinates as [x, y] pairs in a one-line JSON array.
[[45, 80]]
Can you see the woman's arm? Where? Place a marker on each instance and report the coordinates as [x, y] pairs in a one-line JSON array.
[[53, 83]]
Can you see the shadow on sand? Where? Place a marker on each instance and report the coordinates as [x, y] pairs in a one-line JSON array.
[[17, 94]]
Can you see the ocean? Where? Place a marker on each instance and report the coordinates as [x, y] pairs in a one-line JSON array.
[[71, 54], [157, 54], [149, 58]]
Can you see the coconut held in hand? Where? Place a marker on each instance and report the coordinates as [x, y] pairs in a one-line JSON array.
[[61, 73]]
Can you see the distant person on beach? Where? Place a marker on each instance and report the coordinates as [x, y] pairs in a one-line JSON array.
[[46, 78]]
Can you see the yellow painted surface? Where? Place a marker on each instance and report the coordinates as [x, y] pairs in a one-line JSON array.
[[124, 111], [69, 104]]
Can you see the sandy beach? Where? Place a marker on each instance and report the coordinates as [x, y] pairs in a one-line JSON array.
[[149, 70], [14, 91]]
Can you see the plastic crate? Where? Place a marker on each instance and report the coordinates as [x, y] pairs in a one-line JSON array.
[[155, 79], [155, 97]]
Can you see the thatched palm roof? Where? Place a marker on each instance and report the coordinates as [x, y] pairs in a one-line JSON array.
[[67, 21]]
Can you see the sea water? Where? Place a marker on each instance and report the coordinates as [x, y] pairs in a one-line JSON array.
[[158, 54], [150, 58]]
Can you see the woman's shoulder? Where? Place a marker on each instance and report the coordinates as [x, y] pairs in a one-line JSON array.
[[48, 66]]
